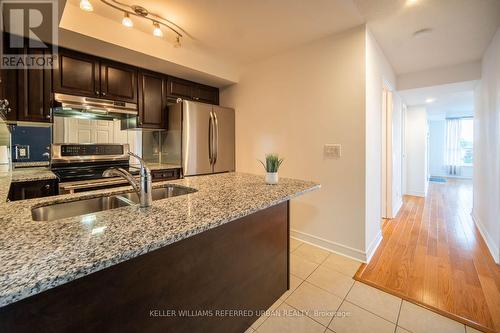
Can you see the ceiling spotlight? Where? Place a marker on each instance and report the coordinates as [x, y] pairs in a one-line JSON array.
[[86, 6], [127, 21], [411, 2], [430, 100], [157, 31], [177, 43]]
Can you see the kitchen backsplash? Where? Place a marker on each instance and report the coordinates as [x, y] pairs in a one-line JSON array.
[[30, 143]]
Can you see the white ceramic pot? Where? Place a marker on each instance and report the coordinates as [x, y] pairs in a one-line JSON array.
[[272, 178]]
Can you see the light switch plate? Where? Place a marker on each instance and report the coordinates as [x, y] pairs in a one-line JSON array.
[[333, 150]]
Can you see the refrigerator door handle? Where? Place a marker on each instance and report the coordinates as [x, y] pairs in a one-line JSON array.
[[216, 138], [211, 139]]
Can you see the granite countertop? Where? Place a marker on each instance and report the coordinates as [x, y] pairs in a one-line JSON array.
[[37, 256], [22, 175]]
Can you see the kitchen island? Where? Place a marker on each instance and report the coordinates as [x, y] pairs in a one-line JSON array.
[[224, 247]]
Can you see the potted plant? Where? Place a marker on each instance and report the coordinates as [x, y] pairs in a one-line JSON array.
[[273, 162]]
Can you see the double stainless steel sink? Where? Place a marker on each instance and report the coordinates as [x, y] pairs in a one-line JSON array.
[[93, 205]]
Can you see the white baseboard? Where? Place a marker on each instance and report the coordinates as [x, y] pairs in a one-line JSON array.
[[328, 245], [396, 208], [373, 246], [490, 243], [416, 193]]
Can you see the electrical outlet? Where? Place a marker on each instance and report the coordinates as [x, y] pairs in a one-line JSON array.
[[333, 150]]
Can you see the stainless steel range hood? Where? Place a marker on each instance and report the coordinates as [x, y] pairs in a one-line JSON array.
[[92, 108]]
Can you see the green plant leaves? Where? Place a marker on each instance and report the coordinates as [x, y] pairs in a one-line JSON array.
[[273, 163]]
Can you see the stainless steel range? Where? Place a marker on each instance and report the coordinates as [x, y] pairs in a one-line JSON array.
[[79, 167]]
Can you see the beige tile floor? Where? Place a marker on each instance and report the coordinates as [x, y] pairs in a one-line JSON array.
[[324, 298]]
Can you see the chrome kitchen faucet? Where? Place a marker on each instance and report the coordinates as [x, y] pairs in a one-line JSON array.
[[143, 188]]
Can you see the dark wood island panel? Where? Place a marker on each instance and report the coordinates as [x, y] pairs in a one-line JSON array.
[[241, 265]]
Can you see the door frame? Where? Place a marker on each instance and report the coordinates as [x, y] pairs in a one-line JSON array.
[[386, 156]]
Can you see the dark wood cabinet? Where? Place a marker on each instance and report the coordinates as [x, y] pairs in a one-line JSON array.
[[8, 83], [9, 90], [178, 88], [30, 92], [118, 82], [33, 189], [152, 100], [77, 74], [85, 75], [206, 94], [34, 93]]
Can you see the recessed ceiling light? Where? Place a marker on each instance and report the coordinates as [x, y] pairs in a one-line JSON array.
[[411, 2], [430, 100], [422, 33], [86, 5]]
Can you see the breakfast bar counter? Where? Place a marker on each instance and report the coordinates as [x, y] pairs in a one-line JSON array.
[[39, 256]]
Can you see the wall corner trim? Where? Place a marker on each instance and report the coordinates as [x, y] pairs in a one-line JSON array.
[[396, 208], [373, 246], [492, 247]]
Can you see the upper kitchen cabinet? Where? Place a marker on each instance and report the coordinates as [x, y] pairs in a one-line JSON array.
[[206, 94], [77, 74], [34, 93], [152, 100], [9, 84], [178, 88], [84, 75], [28, 91], [118, 82], [8, 91]]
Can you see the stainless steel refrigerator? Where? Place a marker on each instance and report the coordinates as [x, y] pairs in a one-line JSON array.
[[207, 137]]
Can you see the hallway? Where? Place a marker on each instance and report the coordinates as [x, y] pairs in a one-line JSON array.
[[433, 255]]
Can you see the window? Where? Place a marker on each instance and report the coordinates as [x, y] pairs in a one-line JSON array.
[[459, 141], [466, 140]]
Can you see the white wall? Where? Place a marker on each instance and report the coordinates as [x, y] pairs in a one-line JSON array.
[[293, 104], [440, 76], [378, 73], [416, 151], [486, 210], [437, 140], [327, 91]]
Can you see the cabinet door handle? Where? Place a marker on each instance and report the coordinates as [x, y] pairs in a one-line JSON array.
[[104, 94], [97, 92], [47, 187]]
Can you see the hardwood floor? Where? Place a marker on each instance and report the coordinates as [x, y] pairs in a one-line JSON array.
[[432, 254]]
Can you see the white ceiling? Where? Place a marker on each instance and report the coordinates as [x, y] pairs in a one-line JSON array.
[[462, 29], [456, 99], [238, 32], [245, 31]]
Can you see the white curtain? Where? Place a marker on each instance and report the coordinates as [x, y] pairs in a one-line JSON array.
[[453, 157]]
